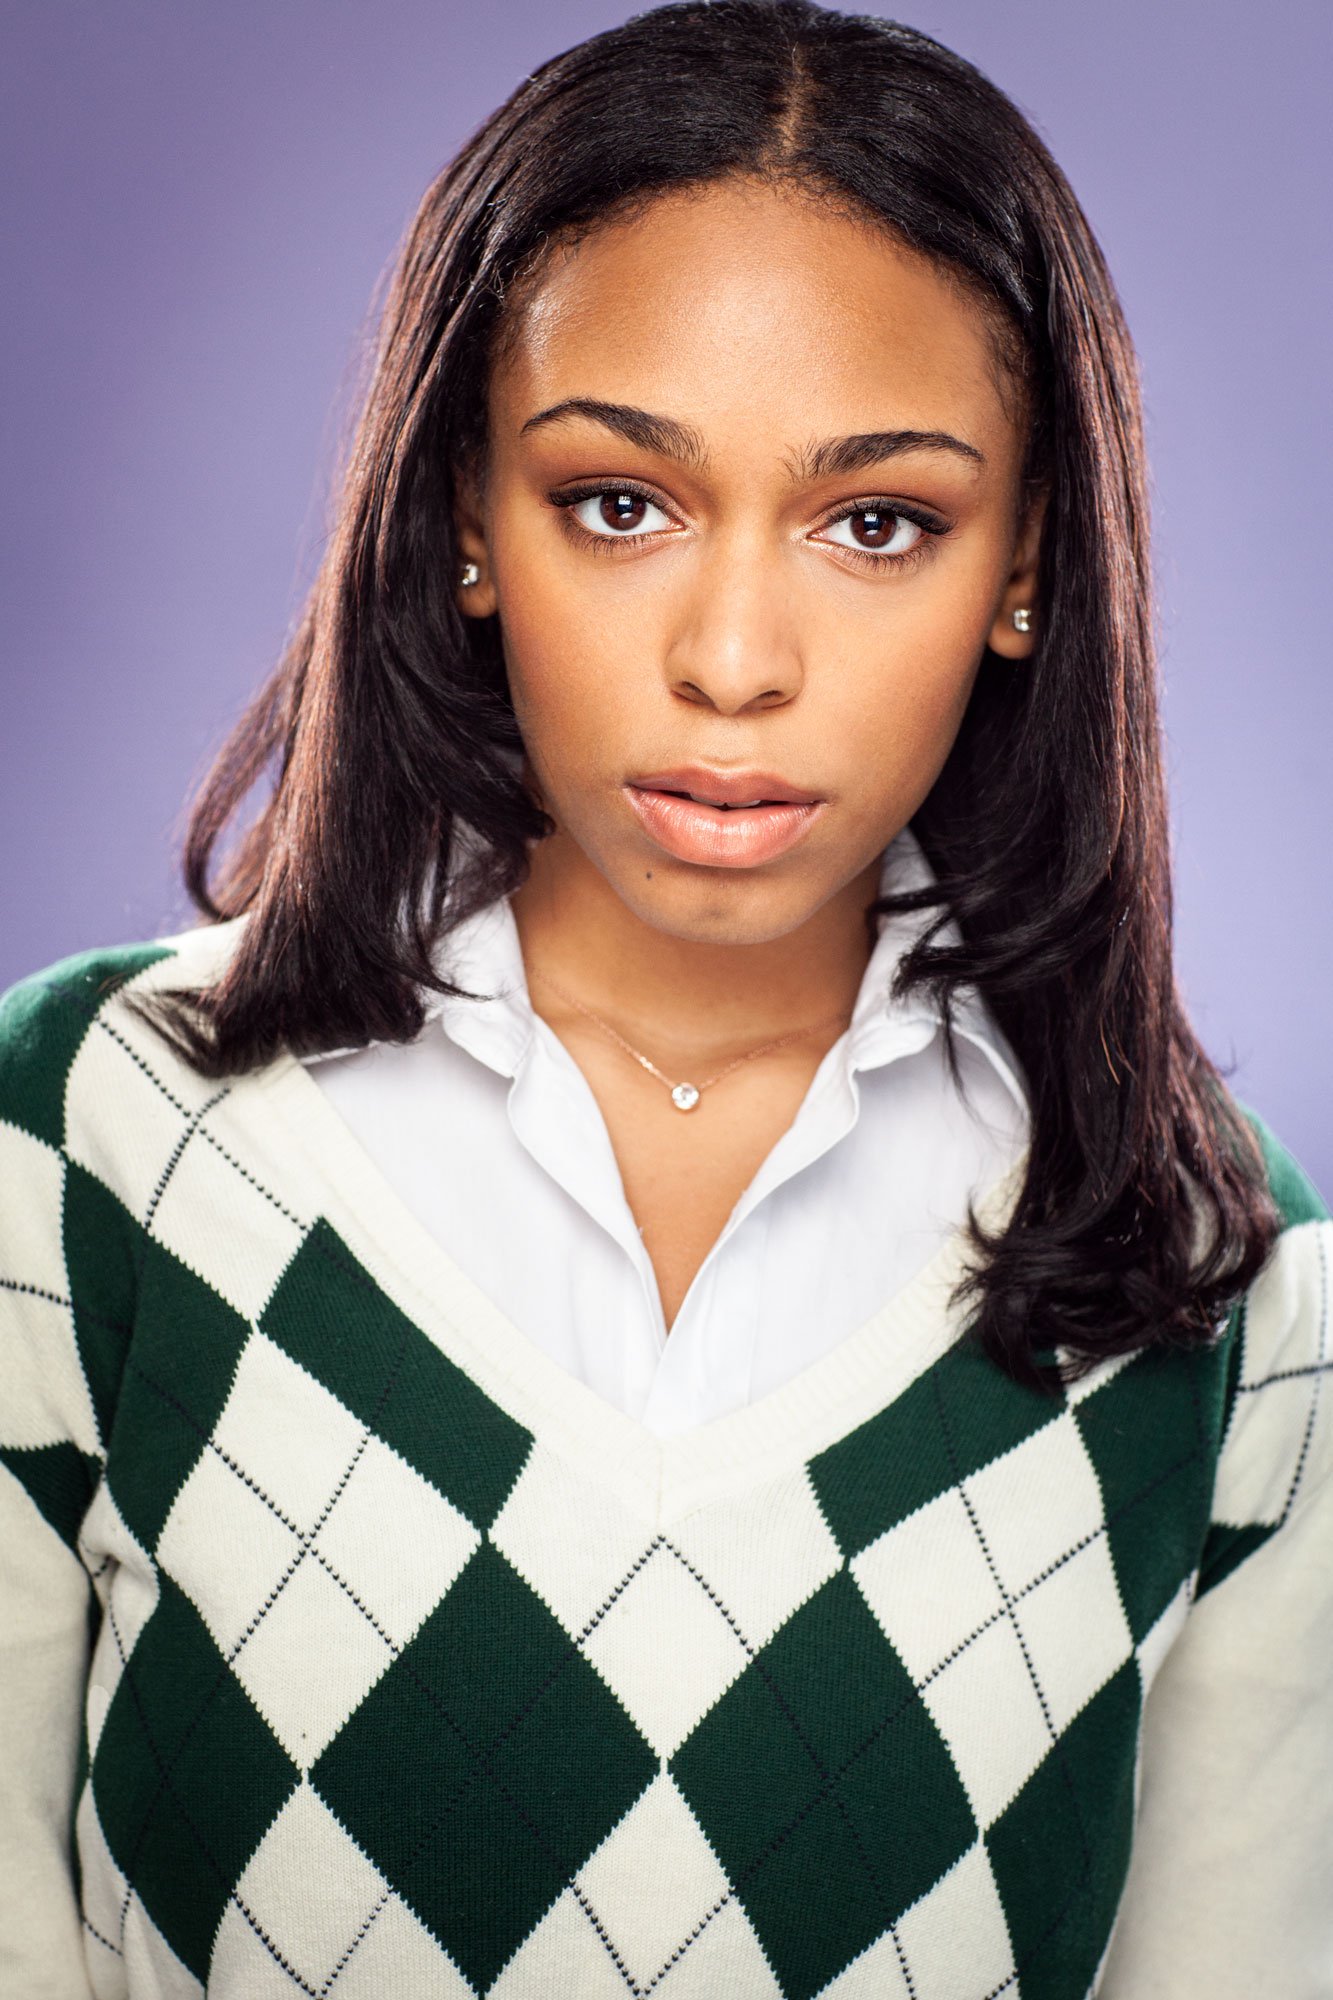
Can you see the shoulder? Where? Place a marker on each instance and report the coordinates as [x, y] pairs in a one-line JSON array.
[[76, 1063], [54, 1023], [1282, 1324], [1297, 1198], [1277, 1450]]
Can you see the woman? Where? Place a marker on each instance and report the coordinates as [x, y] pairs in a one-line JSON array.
[[659, 1358]]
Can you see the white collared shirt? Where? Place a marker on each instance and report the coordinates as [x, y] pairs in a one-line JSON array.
[[489, 1132]]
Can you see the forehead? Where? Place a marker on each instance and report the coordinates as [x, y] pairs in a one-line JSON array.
[[741, 304]]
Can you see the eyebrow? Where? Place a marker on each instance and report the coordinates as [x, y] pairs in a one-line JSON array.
[[662, 435], [826, 459], [853, 454]]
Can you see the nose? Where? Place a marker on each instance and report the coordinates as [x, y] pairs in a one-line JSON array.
[[735, 643]]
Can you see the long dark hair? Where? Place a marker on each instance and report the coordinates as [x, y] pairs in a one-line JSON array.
[[397, 805]]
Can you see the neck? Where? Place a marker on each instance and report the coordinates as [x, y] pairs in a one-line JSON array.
[[699, 997]]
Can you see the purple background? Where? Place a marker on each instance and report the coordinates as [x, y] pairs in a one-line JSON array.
[[197, 204]]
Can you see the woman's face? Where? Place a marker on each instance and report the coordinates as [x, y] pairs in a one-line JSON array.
[[750, 517]]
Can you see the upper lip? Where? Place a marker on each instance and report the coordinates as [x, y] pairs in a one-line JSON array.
[[726, 788]]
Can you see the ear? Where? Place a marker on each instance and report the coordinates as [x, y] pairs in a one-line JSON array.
[[1020, 592], [474, 600]]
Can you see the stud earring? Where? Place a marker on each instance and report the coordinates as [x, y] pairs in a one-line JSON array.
[[1022, 619], [470, 575]]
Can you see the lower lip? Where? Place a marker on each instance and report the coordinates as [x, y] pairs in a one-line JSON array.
[[739, 838]]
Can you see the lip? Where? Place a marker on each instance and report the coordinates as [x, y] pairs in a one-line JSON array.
[[729, 833], [726, 788]]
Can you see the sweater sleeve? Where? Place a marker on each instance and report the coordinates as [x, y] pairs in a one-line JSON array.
[[51, 1453], [1230, 1887]]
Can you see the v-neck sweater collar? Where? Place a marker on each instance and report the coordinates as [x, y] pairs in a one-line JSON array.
[[329, 1172]]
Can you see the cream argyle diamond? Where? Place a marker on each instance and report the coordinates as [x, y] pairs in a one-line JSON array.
[[293, 1488]]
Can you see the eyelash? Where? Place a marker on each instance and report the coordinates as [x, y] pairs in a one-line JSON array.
[[931, 526]]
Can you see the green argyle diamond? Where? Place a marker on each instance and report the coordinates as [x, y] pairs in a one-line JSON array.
[[1071, 1826], [331, 1316], [954, 1418], [187, 1776], [173, 1390], [484, 1767], [1150, 1431], [825, 1789]]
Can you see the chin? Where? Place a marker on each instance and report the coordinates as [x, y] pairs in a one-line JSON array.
[[717, 906]]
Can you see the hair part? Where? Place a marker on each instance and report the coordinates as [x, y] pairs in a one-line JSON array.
[[396, 807]]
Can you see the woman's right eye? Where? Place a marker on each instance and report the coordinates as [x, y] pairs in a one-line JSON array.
[[614, 511]]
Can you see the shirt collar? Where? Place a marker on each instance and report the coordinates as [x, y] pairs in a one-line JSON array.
[[485, 958], [883, 1027]]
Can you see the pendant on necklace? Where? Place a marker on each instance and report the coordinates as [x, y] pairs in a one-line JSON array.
[[684, 1097]]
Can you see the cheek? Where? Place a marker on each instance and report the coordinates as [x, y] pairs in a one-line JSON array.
[[899, 694], [583, 656], [570, 675]]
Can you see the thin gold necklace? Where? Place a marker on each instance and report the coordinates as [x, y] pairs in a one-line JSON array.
[[684, 1095]]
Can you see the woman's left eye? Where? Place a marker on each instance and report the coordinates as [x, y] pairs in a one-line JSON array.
[[875, 531], [616, 511]]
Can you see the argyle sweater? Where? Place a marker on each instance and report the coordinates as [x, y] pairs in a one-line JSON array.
[[353, 1648]]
